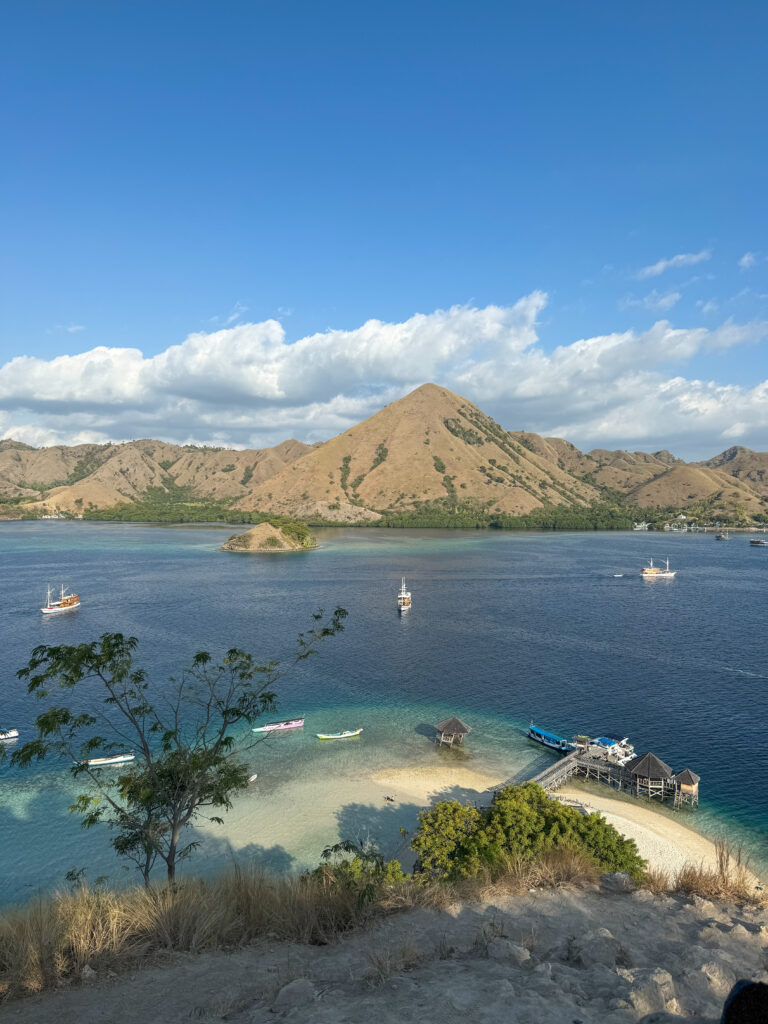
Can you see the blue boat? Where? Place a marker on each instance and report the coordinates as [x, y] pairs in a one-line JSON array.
[[550, 739]]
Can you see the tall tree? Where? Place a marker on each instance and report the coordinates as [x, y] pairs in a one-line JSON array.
[[189, 736]]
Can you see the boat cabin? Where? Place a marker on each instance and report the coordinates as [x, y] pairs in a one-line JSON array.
[[451, 731]]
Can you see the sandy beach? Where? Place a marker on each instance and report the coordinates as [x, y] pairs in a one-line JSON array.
[[663, 843]]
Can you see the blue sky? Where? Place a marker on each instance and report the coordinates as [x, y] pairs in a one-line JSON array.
[[176, 171]]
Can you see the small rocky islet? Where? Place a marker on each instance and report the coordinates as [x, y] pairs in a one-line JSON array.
[[268, 539]]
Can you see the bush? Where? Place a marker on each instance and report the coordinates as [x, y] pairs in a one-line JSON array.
[[455, 841]]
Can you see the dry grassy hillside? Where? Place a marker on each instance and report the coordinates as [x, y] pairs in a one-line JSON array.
[[430, 445], [102, 476], [684, 485], [750, 468]]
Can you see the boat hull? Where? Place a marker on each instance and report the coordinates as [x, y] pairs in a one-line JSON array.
[[53, 610], [338, 735], [279, 726], [550, 741], [107, 762], [9, 734]]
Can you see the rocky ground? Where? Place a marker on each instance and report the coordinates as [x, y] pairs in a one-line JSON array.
[[599, 954]]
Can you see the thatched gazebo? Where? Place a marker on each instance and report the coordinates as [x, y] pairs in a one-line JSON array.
[[451, 731], [687, 788], [650, 776]]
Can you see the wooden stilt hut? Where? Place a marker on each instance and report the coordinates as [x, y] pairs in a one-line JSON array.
[[687, 788], [451, 731], [650, 776]]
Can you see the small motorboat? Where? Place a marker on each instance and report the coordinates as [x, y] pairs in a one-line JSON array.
[[105, 762], [253, 777], [722, 536], [289, 723], [9, 734], [549, 739], [759, 543], [338, 735], [618, 575]]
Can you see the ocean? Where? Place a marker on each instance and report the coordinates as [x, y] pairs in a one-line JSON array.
[[506, 628]]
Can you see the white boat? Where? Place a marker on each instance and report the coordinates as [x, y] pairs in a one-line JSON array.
[[66, 602], [289, 723], [403, 598], [253, 777], [338, 735], [105, 762], [654, 572], [9, 734], [614, 748]]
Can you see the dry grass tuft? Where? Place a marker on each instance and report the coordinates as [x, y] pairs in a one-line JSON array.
[[731, 879]]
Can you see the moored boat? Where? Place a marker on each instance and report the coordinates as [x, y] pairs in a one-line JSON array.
[[759, 543], [550, 739], [66, 602], [403, 598], [289, 723], [722, 536], [105, 762], [655, 572], [338, 735], [9, 734]]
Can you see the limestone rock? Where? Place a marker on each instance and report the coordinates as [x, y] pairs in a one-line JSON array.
[[297, 993], [503, 949], [599, 947], [619, 881]]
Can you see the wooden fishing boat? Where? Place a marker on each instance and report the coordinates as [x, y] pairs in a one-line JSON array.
[[338, 735], [65, 602]]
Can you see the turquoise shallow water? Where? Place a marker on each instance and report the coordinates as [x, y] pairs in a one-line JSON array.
[[504, 628]]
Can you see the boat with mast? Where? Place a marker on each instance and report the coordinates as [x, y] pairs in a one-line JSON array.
[[65, 603], [403, 598], [655, 572]]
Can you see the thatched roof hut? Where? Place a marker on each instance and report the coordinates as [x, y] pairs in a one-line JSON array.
[[648, 766], [687, 778], [451, 731]]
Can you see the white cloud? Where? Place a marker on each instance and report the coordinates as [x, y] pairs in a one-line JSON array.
[[747, 261], [246, 385], [654, 301], [708, 306], [683, 259]]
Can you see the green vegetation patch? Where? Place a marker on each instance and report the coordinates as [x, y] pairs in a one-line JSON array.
[[466, 434], [456, 841]]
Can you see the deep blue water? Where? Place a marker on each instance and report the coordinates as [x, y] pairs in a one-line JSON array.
[[505, 628]]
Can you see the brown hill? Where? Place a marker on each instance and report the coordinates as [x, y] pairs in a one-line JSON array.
[[430, 445], [102, 476]]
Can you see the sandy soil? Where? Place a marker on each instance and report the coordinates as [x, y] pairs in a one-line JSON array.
[[428, 784], [549, 957]]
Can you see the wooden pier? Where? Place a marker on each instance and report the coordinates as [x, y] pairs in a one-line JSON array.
[[645, 776]]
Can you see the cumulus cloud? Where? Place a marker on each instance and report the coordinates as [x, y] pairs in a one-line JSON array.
[[248, 386], [683, 259], [747, 261]]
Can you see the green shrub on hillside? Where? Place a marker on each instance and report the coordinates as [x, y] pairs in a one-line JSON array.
[[454, 841]]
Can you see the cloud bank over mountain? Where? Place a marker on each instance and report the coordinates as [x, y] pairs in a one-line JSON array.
[[247, 385]]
